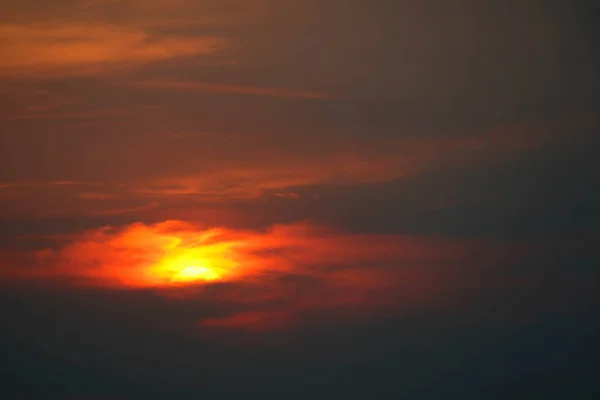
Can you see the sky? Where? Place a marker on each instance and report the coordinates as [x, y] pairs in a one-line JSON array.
[[354, 198]]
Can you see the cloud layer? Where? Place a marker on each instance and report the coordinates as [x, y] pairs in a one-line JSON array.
[[285, 275]]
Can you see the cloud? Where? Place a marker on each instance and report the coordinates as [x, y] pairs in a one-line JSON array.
[[98, 3], [206, 87], [215, 171], [351, 163], [12, 195], [26, 99], [252, 320], [126, 210], [77, 48], [288, 195], [40, 184], [70, 198], [65, 115], [250, 181], [97, 196], [274, 278]]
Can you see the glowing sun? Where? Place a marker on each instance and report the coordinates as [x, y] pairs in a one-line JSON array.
[[171, 253], [192, 264], [194, 273]]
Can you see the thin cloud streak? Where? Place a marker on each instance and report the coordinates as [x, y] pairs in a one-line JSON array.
[[217, 182], [128, 210], [205, 87], [66, 115], [75, 48]]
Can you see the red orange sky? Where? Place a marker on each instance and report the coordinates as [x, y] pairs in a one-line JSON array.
[[354, 199], [400, 131]]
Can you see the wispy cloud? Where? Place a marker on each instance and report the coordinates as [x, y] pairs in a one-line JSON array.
[[90, 199], [288, 195], [393, 159], [77, 48], [206, 87], [252, 170], [98, 196], [97, 3], [40, 184], [12, 195], [78, 114], [125, 210], [66, 115]]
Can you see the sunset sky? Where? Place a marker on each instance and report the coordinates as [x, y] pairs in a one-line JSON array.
[[315, 198]]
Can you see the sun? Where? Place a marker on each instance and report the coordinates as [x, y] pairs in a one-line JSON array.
[[195, 273], [168, 254], [189, 266]]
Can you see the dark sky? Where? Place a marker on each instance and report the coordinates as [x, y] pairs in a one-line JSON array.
[[299, 198]]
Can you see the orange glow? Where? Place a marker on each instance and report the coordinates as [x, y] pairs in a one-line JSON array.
[[91, 47], [173, 254], [188, 261], [191, 274], [274, 277], [167, 254]]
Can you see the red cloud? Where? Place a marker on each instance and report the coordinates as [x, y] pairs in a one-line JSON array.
[[251, 320], [78, 48], [209, 87], [270, 279]]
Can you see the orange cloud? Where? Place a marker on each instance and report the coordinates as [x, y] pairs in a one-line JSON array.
[[126, 210], [97, 196], [287, 195], [69, 198], [84, 48], [79, 114], [12, 195], [230, 89], [97, 3], [38, 184], [151, 256], [268, 279], [344, 165], [250, 180], [202, 177], [21, 99]]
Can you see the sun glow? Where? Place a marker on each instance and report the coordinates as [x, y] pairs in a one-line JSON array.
[[177, 253], [186, 261], [191, 274], [171, 253], [268, 279]]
